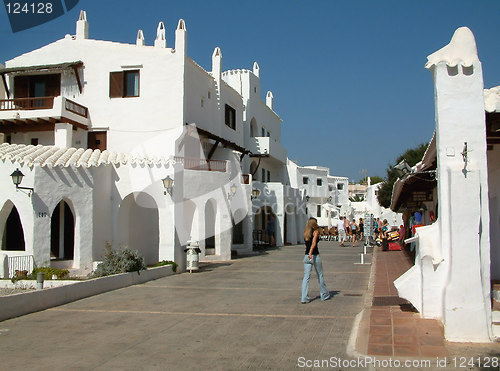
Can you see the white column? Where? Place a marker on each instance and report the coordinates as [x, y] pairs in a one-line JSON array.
[[63, 135]]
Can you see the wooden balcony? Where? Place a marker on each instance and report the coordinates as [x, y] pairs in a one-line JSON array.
[[41, 114], [21, 104], [201, 164]]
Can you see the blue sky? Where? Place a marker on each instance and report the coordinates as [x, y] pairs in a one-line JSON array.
[[348, 77]]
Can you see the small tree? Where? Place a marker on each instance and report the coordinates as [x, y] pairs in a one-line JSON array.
[[412, 157]]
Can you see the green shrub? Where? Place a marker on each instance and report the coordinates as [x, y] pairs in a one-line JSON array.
[[49, 272], [121, 260], [167, 262]]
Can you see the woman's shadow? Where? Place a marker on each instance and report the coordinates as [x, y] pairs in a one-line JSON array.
[[332, 295]]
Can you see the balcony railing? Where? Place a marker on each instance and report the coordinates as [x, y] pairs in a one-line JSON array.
[[201, 164], [26, 103], [76, 108]]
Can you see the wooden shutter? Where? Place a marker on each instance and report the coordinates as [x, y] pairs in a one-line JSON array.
[[21, 87], [116, 84], [53, 85]]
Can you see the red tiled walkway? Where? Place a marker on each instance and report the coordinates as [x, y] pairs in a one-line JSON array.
[[396, 330]]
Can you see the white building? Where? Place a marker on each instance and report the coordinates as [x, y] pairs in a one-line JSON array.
[[370, 205], [457, 181], [95, 126], [325, 195]]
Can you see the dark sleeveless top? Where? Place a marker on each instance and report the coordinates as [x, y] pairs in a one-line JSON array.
[[309, 244]]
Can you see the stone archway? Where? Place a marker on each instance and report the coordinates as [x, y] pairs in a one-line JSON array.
[[138, 225]]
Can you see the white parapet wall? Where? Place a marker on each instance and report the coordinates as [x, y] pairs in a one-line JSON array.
[[34, 301]]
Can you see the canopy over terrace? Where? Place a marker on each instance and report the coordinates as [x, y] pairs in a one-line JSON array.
[[422, 178], [32, 111], [42, 68]]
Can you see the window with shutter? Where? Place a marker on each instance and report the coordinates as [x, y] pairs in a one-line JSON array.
[[124, 84], [116, 84]]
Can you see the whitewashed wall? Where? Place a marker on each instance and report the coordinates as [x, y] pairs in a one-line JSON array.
[[494, 197]]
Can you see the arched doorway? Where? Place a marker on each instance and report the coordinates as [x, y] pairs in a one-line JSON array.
[[261, 221], [238, 219], [210, 217], [13, 234], [62, 232], [138, 226]]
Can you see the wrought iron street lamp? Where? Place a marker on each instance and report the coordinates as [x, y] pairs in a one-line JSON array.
[[17, 178]]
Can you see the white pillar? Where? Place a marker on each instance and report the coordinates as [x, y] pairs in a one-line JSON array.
[[63, 135], [462, 189]]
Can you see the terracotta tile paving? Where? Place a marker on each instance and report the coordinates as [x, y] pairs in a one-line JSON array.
[[395, 330]]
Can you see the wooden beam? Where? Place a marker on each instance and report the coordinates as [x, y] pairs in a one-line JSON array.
[[42, 121], [212, 150], [74, 123], [5, 86], [75, 69], [30, 122]]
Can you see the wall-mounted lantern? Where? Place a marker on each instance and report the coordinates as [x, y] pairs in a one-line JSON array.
[[168, 183], [233, 190], [17, 178], [255, 194], [308, 198]]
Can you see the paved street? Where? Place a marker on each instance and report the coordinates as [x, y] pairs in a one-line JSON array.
[[243, 314]]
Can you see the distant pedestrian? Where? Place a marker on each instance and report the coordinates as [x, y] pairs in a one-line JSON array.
[[311, 238], [347, 227], [354, 231], [361, 226], [341, 231], [384, 231], [271, 224]]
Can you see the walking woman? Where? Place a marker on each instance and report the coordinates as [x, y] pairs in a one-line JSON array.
[[311, 237]]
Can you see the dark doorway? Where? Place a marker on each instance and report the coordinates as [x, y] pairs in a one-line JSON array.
[[13, 236], [62, 232], [97, 140]]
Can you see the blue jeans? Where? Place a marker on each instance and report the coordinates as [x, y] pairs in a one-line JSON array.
[[324, 293]]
